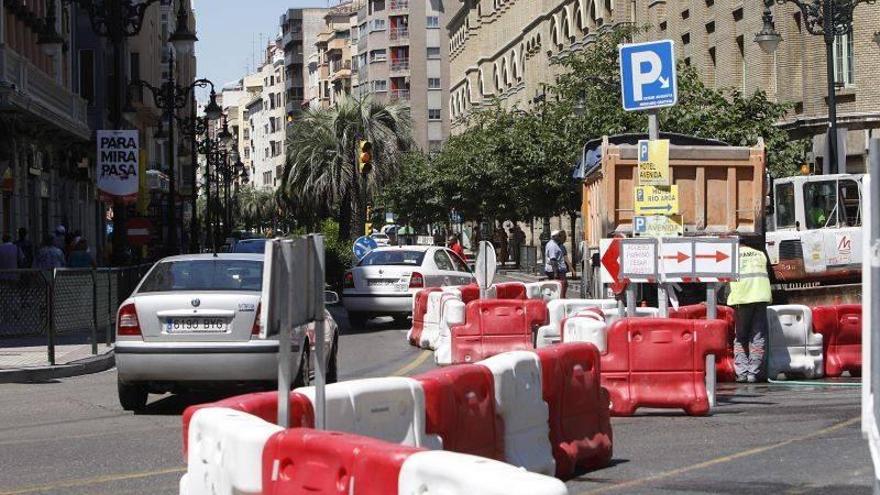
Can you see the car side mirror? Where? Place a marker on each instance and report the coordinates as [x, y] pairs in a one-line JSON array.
[[330, 297]]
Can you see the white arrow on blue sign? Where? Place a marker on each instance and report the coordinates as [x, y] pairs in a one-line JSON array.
[[363, 245], [647, 75]]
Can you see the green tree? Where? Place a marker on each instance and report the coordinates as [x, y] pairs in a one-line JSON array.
[[321, 163]]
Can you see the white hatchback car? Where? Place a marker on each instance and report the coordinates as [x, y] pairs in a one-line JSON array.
[[194, 320], [384, 281]]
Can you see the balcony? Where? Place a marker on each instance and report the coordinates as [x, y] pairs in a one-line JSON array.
[[398, 5], [291, 36], [399, 94], [398, 34], [25, 88], [399, 64]]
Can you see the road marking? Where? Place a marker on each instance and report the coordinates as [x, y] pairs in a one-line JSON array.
[[77, 437], [411, 366], [721, 460], [92, 481]]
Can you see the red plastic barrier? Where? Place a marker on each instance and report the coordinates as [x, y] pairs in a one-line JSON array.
[[493, 326], [470, 292], [841, 329], [325, 462], [724, 369], [264, 405], [580, 426], [660, 362], [510, 290], [420, 309], [460, 405]]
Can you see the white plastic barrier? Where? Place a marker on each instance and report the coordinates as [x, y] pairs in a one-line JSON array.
[[561, 309], [585, 329], [612, 316], [453, 314], [519, 401], [549, 290], [450, 473], [225, 453], [433, 314], [390, 409], [793, 348]]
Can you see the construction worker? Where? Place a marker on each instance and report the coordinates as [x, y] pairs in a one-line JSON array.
[[749, 296]]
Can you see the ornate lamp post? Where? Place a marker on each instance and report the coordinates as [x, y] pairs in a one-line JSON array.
[[826, 18]]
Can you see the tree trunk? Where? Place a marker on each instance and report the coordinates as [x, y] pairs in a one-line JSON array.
[[345, 214]]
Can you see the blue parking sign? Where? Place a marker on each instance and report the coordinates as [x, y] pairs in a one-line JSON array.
[[647, 75]]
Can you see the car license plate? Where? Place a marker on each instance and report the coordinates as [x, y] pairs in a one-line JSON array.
[[381, 283], [196, 325]]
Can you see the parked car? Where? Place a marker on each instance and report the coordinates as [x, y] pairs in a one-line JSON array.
[[384, 281], [255, 245], [381, 239], [194, 321]]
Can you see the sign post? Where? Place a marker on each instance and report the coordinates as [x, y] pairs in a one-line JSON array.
[[484, 271], [871, 317]]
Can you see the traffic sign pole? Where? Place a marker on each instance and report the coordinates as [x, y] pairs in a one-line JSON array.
[[662, 296]]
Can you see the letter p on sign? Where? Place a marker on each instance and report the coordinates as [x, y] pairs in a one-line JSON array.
[[647, 75]]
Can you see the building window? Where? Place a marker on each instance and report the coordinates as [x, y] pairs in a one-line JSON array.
[[433, 52], [686, 39], [844, 73], [741, 54], [377, 25], [380, 86], [434, 114], [433, 83], [710, 27], [434, 145], [378, 56], [433, 22], [87, 75]]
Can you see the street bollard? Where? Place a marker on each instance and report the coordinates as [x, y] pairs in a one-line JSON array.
[[94, 311], [50, 335]]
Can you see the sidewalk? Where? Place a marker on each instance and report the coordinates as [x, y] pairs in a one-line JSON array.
[[26, 359]]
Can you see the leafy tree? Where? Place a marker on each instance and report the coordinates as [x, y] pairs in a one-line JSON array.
[[414, 194]]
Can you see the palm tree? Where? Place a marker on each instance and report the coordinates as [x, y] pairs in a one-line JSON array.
[[322, 151]]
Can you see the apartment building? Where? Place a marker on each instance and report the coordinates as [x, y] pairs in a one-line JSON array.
[[299, 32], [265, 117], [503, 49], [331, 69]]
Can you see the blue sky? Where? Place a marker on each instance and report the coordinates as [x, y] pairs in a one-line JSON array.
[[229, 33]]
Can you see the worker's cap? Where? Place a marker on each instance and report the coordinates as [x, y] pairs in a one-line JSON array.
[[60, 229], [557, 233]]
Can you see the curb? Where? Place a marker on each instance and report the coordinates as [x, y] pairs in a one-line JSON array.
[[94, 364]]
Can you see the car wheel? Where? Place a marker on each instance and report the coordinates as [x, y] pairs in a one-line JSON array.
[[132, 396], [331, 366], [401, 318], [304, 374], [357, 320]]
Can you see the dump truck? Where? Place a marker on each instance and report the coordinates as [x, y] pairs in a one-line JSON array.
[[722, 190]]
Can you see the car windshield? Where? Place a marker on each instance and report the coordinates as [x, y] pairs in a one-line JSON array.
[[254, 246], [219, 274], [393, 257]]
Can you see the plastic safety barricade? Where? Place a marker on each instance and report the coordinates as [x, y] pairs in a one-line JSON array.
[[453, 314], [558, 310], [580, 427], [433, 317], [327, 462], [841, 329], [793, 347], [225, 453], [263, 405], [724, 369], [460, 405], [641, 312], [660, 362], [588, 327], [548, 290], [390, 409], [510, 290], [519, 400], [420, 307], [494, 326], [449, 473]]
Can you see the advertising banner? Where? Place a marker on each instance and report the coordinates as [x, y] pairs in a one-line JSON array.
[[117, 174]]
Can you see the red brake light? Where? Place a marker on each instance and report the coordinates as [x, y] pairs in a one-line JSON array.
[[416, 281], [127, 322], [255, 330], [348, 281]]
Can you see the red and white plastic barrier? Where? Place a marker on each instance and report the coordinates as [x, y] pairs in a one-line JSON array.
[[493, 326], [586, 327], [841, 329], [420, 309], [560, 309], [724, 369], [548, 290], [793, 347]]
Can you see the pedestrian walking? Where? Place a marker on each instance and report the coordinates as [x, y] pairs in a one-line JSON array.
[[517, 240], [455, 246], [556, 261], [749, 296], [27, 249], [49, 256], [60, 237], [11, 256], [80, 256], [499, 239]]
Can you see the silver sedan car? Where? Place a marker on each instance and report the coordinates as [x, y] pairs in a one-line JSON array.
[[194, 320]]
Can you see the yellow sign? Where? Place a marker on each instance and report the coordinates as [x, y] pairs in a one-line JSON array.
[[658, 226], [654, 162], [655, 200]]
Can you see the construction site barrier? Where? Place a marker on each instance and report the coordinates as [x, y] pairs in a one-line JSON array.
[[558, 310], [660, 362], [548, 290], [724, 369], [793, 347], [586, 328], [420, 308], [510, 290], [841, 329], [580, 426], [493, 326], [519, 400], [453, 314]]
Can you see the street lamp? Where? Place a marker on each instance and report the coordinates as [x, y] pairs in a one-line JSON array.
[[826, 18]]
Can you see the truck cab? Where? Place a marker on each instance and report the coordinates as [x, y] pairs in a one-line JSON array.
[[814, 229]]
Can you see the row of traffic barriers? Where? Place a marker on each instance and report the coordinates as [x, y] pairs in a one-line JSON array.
[[64, 302], [501, 426]]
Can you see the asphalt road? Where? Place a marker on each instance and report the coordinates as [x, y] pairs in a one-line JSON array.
[[70, 436]]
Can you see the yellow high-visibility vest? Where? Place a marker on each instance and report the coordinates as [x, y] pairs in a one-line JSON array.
[[753, 285]]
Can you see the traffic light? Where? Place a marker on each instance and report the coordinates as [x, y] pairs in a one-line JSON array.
[[365, 160]]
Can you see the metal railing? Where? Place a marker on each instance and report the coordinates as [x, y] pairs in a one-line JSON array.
[[398, 34], [64, 302], [399, 94], [400, 64], [398, 5]]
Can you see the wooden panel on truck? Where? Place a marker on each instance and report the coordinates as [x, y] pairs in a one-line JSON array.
[[721, 188]]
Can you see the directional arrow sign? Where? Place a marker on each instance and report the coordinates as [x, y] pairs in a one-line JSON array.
[[676, 259], [655, 200], [716, 258], [610, 273], [638, 260]]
